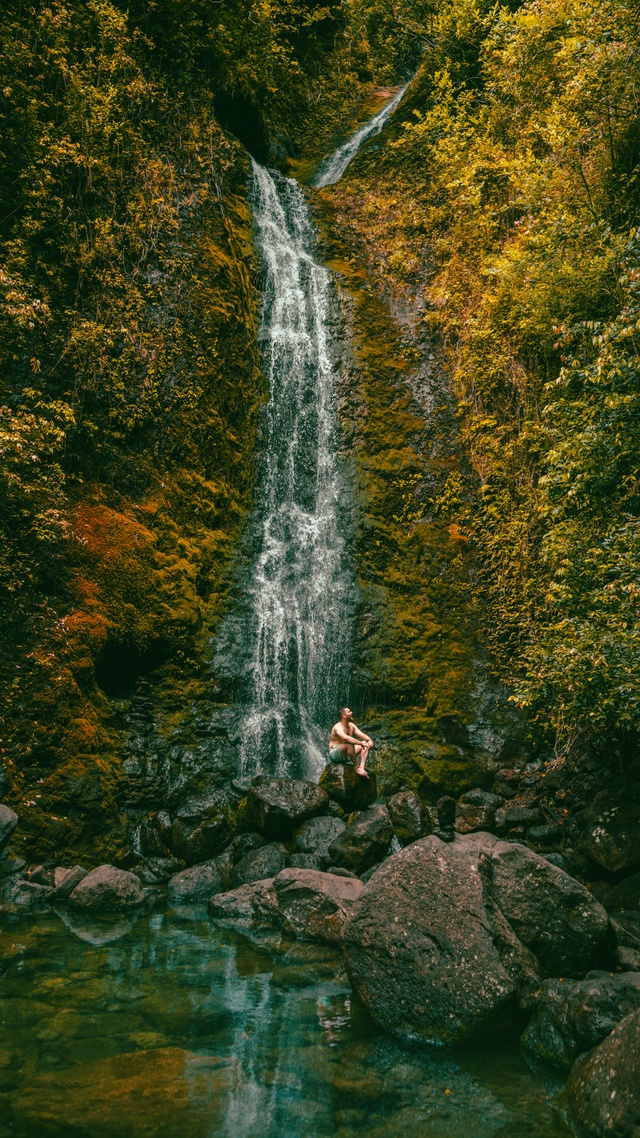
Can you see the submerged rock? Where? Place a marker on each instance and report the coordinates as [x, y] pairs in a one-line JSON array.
[[108, 890], [141, 1093], [365, 840], [350, 790], [603, 1086], [260, 863], [8, 823], [277, 806], [571, 1018]]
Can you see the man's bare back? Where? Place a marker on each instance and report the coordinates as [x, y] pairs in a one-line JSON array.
[[348, 741]]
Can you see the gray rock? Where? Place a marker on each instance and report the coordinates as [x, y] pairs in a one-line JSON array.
[[557, 859], [8, 823], [29, 896], [420, 948], [521, 816], [368, 873], [261, 863], [158, 870], [479, 797], [571, 1018], [365, 841], [148, 842], [446, 807], [338, 871], [275, 807], [603, 1086], [550, 912], [10, 866], [626, 928], [304, 903], [624, 895], [197, 839], [612, 836], [107, 890], [470, 818], [196, 885], [65, 881], [545, 835], [350, 790], [306, 861], [316, 835], [409, 818], [255, 904], [243, 844], [313, 905], [626, 959], [4, 779]]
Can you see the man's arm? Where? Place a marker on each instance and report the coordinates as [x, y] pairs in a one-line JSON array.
[[361, 735]]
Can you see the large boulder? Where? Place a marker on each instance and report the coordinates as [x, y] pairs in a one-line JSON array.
[[197, 884], [107, 890], [8, 823], [275, 807], [603, 1086], [350, 790], [313, 905], [571, 1018], [420, 947], [364, 841], [260, 863], [612, 836], [316, 835], [550, 912], [409, 817]]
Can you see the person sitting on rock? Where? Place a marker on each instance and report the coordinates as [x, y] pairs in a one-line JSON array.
[[342, 742]]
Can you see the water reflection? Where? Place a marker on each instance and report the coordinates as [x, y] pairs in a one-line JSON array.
[[180, 1027]]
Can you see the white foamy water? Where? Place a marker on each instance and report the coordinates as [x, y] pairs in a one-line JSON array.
[[301, 582], [335, 165]]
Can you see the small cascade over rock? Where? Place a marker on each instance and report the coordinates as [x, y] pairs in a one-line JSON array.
[[335, 165]]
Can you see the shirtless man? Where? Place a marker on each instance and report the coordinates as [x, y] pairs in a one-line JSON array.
[[342, 742]]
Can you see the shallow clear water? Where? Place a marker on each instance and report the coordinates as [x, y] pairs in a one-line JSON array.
[[182, 1028]]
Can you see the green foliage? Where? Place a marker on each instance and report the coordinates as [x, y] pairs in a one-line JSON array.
[[502, 207]]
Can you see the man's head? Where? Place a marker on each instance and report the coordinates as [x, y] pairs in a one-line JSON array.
[[346, 714]]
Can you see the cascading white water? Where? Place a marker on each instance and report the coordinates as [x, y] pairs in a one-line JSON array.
[[301, 584], [335, 165]]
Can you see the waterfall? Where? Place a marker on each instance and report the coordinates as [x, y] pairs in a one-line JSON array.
[[335, 165], [301, 583]]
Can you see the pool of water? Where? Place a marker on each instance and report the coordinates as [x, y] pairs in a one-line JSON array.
[[173, 1027]]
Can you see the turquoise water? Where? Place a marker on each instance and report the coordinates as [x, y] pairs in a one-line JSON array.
[[177, 1027]]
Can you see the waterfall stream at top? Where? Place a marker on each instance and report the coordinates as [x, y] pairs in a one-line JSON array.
[[296, 629]]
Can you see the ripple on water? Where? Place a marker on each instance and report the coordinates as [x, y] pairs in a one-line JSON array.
[[184, 1028]]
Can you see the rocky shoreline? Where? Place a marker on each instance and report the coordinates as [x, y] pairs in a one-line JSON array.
[[456, 921]]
